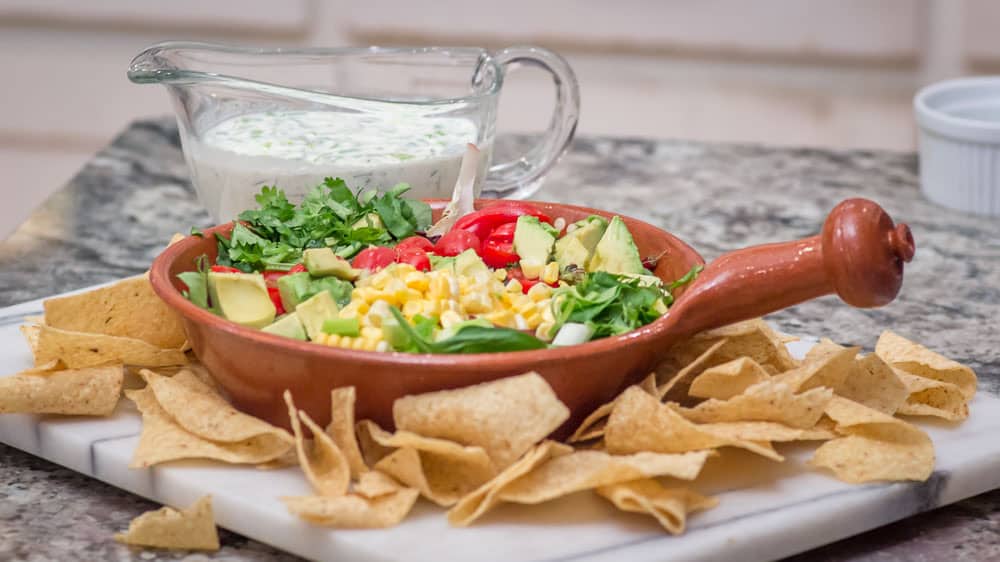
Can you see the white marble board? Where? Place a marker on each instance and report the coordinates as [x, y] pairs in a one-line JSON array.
[[760, 516]]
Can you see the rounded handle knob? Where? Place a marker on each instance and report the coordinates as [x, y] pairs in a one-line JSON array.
[[859, 256], [864, 253]]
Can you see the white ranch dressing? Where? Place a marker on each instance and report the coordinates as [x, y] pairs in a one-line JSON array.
[[295, 150]]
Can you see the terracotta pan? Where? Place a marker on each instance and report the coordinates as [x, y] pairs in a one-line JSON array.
[[859, 255]]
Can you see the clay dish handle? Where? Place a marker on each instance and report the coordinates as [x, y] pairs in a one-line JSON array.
[[859, 256]]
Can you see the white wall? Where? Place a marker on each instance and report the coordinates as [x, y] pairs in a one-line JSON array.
[[815, 72]]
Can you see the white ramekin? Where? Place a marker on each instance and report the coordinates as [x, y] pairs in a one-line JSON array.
[[959, 123]]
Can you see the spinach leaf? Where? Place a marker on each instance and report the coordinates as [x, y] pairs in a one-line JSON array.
[[197, 283], [468, 339]]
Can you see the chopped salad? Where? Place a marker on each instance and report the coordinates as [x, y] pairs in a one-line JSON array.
[[361, 271]]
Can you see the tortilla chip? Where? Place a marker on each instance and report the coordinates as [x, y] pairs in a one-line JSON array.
[[918, 360], [505, 417], [290, 458], [78, 350], [443, 471], [728, 379], [201, 411], [762, 431], [128, 308], [766, 401], [177, 237], [641, 423], [873, 383], [876, 446], [31, 334], [354, 511], [827, 365], [585, 470], [474, 505], [678, 385], [80, 392], [163, 439], [752, 338], [323, 464], [189, 529], [670, 506], [341, 428], [929, 397], [374, 484], [592, 426]]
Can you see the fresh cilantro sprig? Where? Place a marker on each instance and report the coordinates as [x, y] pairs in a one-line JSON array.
[[272, 236]]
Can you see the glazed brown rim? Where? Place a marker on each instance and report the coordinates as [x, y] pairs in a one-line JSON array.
[[163, 286]]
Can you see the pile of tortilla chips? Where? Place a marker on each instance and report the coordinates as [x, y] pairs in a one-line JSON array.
[[472, 449], [83, 344]]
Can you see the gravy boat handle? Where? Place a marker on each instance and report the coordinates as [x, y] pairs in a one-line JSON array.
[[859, 255]]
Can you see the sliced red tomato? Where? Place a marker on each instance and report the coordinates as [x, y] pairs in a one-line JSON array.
[[224, 269], [503, 233], [418, 242], [375, 258], [455, 242], [498, 254], [415, 257], [484, 221], [276, 299], [297, 268]]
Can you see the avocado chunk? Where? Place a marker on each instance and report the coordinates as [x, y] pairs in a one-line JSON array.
[[340, 290], [533, 243], [371, 220], [294, 288], [288, 326], [469, 263], [322, 262], [242, 298], [576, 247], [315, 311], [442, 262], [616, 252]]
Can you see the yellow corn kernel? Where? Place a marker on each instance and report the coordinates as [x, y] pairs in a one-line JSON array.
[[371, 333], [416, 280], [544, 331], [366, 294], [520, 323], [333, 340], [514, 286], [532, 319], [551, 273], [539, 292], [439, 287], [432, 307], [320, 338], [413, 307], [525, 306], [452, 305], [503, 318], [475, 303], [407, 295], [449, 318], [500, 274]]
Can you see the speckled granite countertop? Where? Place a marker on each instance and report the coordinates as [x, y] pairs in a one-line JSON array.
[[113, 218]]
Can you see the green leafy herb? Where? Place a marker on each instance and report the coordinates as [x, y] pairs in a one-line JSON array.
[[471, 338], [197, 232], [272, 236], [613, 304]]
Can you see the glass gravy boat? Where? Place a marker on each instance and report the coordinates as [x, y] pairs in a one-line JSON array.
[[250, 117]]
